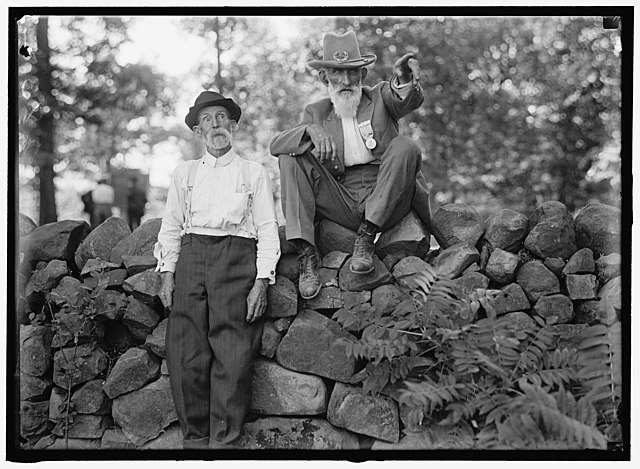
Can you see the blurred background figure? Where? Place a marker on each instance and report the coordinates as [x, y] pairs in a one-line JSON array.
[[103, 197], [136, 203]]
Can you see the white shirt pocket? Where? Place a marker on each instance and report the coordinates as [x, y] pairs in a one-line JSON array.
[[237, 206]]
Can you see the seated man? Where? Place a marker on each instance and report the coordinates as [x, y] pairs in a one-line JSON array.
[[346, 162]]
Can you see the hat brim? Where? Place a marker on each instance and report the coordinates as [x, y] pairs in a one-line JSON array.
[[357, 63], [235, 112]]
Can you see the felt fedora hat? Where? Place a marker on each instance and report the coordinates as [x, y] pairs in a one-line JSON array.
[[341, 51], [211, 98]]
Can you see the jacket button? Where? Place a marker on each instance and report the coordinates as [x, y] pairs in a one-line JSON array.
[[335, 167]]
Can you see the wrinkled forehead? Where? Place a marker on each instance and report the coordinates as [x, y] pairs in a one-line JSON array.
[[212, 111]]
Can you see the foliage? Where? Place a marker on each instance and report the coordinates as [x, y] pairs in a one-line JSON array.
[[513, 384]]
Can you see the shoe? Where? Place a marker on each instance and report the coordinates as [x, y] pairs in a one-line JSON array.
[[309, 282], [363, 248]]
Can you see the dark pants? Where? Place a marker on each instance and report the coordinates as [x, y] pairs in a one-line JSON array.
[[100, 213], [382, 193], [210, 346]]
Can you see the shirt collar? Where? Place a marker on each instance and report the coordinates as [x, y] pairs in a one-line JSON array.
[[224, 160]]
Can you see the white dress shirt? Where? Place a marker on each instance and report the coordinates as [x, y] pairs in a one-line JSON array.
[[222, 203], [355, 151]]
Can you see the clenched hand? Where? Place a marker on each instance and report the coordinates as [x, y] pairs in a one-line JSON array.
[[325, 145], [257, 300], [406, 67]]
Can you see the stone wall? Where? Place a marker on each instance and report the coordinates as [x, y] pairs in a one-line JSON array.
[[91, 326]]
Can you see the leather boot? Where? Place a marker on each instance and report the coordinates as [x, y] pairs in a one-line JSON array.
[[363, 249], [309, 281]]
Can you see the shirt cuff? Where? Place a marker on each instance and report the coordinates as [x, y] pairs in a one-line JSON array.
[[265, 271], [166, 266]]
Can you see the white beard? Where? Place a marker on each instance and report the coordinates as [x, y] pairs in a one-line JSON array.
[[220, 139], [345, 103]]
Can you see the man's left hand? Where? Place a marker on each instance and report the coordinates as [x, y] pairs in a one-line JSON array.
[[257, 300], [406, 68]]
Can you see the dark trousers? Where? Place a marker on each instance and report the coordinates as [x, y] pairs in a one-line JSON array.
[[209, 345], [100, 213], [381, 193]]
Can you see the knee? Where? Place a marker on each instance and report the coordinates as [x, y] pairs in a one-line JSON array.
[[406, 149]]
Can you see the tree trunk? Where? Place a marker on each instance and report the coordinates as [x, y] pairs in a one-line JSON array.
[[219, 65], [44, 133]]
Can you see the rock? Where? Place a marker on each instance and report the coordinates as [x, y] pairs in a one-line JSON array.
[[58, 240], [328, 277], [33, 417], [410, 237], [169, 438], [137, 264], [279, 391], [556, 309], [405, 270], [119, 339], [506, 230], [512, 299], [355, 298], [34, 388], [50, 442], [334, 260], [286, 247], [334, 237], [57, 404], [469, 283], [35, 349], [99, 243], [555, 265], [98, 266], [144, 413], [76, 326], [537, 281], [156, 340], [70, 291], [46, 279], [610, 301], [164, 368], [328, 298], [110, 305], [472, 268], [598, 228], [91, 399], [317, 345], [140, 242], [288, 266], [350, 281], [282, 324], [140, 319], [110, 279], [567, 335], [114, 438], [456, 223], [552, 232], [502, 266], [270, 339], [385, 298], [452, 261], [580, 263], [519, 321], [145, 287], [586, 312], [375, 416], [582, 287], [25, 225], [282, 298], [83, 426], [78, 365], [608, 267], [296, 433], [135, 368]]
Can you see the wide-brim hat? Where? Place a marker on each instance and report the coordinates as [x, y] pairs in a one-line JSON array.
[[211, 98], [342, 51]]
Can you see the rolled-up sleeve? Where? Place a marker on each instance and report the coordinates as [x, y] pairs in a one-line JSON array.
[[266, 225], [167, 249]]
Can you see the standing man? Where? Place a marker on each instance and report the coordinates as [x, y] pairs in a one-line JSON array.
[[136, 203], [217, 252], [346, 162], [103, 197]]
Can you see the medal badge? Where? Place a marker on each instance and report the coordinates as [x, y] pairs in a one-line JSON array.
[[367, 134]]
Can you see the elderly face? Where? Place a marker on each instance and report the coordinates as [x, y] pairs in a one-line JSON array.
[[215, 127], [345, 89]]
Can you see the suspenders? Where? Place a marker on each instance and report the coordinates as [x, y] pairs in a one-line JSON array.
[[191, 179]]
